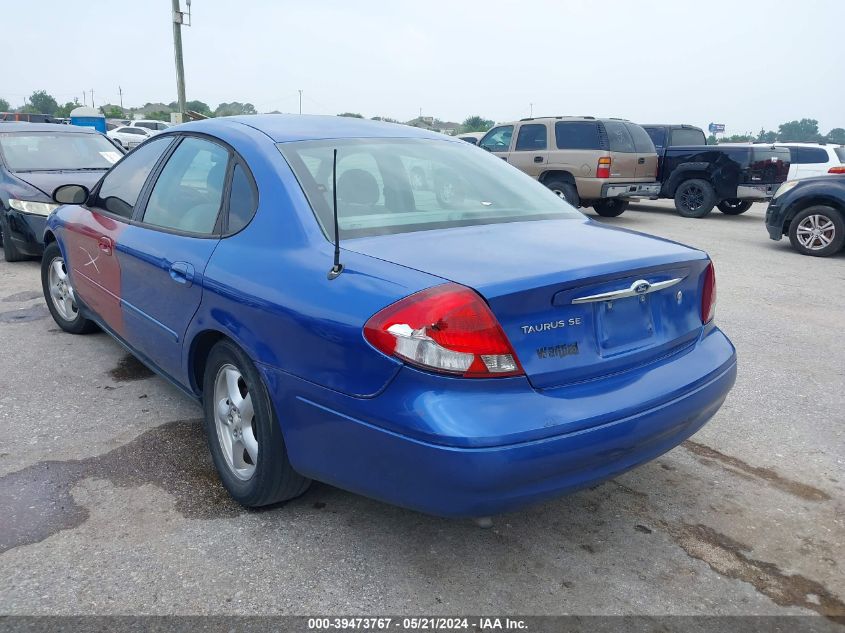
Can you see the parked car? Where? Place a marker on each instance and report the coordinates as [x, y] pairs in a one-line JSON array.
[[700, 177], [602, 163], [811, 212], [814, 159], [35, 158], [461, 359], [471, 137], [26, 117], [149, 124], [130, 137]]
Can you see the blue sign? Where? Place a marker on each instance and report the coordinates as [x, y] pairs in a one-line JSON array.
[[716, 127]]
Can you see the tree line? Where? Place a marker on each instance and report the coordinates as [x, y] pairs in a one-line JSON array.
[[803, 131]]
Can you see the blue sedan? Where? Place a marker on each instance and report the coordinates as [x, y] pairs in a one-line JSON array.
[[390, 311]]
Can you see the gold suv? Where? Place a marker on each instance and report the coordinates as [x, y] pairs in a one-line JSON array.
[[599, 163]]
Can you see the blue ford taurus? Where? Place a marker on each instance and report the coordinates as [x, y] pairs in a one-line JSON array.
[[473, 345]]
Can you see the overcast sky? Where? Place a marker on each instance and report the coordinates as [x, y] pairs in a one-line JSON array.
[[743, 63]]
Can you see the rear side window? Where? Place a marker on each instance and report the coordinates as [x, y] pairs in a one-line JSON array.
[[808, 155], [642, 141], [189, 190], [122, 185], [242, 200], [657, 135], [531, 137], [687, 137], [577, 135], [619, 138]]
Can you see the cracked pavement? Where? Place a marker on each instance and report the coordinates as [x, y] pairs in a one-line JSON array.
[[109, 503]]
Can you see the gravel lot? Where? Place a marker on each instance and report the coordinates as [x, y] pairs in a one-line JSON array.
[[109, 503]]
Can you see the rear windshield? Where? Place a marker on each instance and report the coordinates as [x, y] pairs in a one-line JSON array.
[[403, 185], [771, 154], [681, 136], [642, 141], [840, 153], [47, 151]]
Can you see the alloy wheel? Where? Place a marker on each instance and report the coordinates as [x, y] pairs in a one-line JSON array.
[[61, 292], [234, 418], [692, 198], [815, 232]]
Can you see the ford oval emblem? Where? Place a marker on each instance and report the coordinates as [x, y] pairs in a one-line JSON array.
[[641, 287]]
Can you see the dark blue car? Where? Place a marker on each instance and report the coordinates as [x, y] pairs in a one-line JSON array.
[[36, 158], [480, 346]]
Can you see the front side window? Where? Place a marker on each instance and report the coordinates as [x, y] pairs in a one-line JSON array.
[[189, 190], [687, 137], [498, 139], [618, 137], [48, 151], [149, 126], [122, 185], [531, 137], [405, 185]]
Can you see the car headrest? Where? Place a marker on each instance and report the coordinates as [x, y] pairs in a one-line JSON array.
[[358, 186]]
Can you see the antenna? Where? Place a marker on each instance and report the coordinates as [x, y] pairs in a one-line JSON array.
[[335, 271]]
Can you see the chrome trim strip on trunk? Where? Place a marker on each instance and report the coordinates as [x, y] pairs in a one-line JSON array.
[[639, 287]]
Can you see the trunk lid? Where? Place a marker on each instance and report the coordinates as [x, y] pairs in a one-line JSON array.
[[541, 280]]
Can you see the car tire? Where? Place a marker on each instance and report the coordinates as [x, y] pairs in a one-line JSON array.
[[243, 432], [734, 206], [565, 190], [695, 198], [10, 251], [818, 231], [610, 207], [59, 295]]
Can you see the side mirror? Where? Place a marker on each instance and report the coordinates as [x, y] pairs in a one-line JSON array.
[[71, 194]]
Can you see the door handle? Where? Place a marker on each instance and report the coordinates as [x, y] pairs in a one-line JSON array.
[[538, 159], [182, 273], [106, 245], [641, 161]]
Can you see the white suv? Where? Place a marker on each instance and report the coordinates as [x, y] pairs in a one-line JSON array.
[[814, 159], [154, 126]]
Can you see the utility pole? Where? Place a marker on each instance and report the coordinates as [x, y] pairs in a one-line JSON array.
[[178, 20], [300, 101], [531, 109], [120, 91], [92, 97], [84, 99]]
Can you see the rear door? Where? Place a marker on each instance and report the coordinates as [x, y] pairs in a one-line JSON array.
[[531, 150], [498, 141], [623, 154], [646, 167], [93, 233], [164, 254]]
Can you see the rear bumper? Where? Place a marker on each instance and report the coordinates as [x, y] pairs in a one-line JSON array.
[[349, 442], [756, 192], [631, 190]]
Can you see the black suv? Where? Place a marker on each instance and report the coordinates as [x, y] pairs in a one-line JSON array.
[[700, 176], [812, 212]]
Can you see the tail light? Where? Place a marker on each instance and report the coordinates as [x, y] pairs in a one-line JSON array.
[[447, 329], [837, 170], [708, 295], [603, 168]]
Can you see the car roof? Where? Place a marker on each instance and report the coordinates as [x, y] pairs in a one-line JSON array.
[[285, 128], [804, 144], [674, 126], [22, 126]]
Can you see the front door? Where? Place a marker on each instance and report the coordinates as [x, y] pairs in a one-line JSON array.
[[164, 255], [93, 233]]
